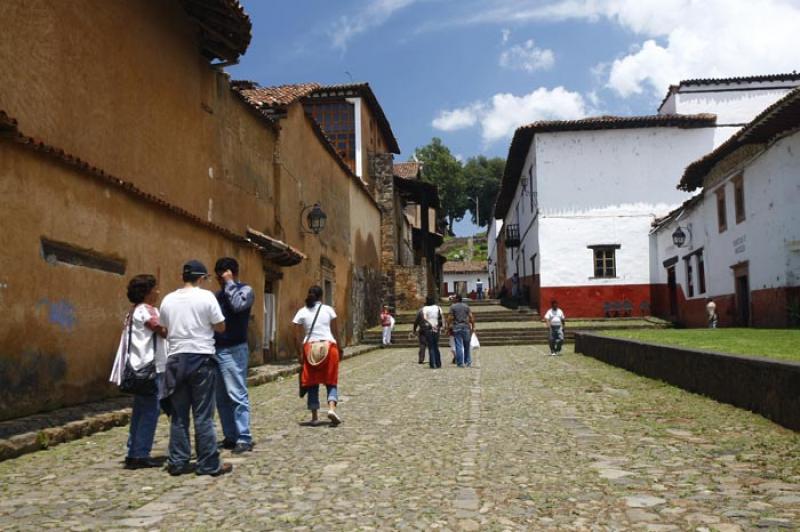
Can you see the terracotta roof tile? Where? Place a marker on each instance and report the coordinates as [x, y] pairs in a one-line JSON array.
[[408, 170], [465, 267], [521, 142], [778, 118], [279, 96], [225, 27]]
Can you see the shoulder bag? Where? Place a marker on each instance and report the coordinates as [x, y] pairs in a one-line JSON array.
[[138, 381]]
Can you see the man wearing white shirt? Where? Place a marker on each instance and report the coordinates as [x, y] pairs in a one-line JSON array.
[[191, 316], [555, 319]]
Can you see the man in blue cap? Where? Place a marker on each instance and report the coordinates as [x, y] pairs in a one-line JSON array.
[[191, 316]]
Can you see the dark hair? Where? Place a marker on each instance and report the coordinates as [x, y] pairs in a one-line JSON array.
[[314, 295], [139, 286], [430, 301], [458, 298], [553, 302], [191, 277], [227, 263]]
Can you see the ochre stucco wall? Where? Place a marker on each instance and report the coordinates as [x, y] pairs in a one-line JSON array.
[[62, 323]]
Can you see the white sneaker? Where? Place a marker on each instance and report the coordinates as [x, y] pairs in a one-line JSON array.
[[334, 417], [554, 354]]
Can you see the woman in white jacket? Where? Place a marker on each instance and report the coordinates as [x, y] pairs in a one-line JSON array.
[[140, 346]]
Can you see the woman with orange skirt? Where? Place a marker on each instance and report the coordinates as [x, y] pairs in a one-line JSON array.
[[318, 353]]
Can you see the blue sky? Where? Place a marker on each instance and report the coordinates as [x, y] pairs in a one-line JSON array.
[[471, 71]]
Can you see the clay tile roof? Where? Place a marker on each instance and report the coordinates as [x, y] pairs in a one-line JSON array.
[[792, 76], [521, 142], [408, 170], [284, 95], [271, 97], [781, 117], [465, 267], [225, 27]]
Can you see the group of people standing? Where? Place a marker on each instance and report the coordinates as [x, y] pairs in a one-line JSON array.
[[429, 324], [196, 346]]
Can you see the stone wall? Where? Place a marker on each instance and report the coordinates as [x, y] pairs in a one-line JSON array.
[[365, 301], [382, 169], [767, 387], [411, 286]]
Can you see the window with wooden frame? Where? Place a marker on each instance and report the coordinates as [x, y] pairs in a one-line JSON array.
[[738, 198], [701, 273], [337, 120], [722, 215], [605, 260]]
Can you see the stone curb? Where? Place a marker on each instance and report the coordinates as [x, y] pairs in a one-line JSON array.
[[45, 438]]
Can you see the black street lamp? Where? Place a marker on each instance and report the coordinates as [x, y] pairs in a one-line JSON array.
[[315, 219], [679, 237]]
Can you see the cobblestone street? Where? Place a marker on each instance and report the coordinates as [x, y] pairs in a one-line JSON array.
[[523, 441]]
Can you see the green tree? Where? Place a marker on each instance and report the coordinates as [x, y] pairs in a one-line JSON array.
[[444, 170], [482, 178]]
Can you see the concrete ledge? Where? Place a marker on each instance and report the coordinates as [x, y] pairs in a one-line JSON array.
[[765, 386], [42, 431]]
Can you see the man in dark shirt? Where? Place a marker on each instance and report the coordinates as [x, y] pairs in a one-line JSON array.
[[461, 321], [232, 356]]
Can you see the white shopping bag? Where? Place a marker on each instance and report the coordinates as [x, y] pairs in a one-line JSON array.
[[474, 343], [453, 345]]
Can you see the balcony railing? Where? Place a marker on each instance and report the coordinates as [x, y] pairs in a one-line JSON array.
[[512, 236]]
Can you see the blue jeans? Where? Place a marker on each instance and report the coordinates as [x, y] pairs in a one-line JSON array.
[[144, 419], [197, 394], [233, 402], [313, 396], [434, 356], [462, 338], [556, 338]]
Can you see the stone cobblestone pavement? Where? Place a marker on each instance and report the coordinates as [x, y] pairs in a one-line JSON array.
[[523, 441]]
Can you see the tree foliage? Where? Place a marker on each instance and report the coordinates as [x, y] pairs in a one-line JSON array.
[[444, 170], [459, 185], [482, 178]]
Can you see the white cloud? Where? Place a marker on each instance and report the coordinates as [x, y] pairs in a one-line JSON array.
[[457, 118], [500, 116], [527, 57], [505, 34], [680, 39], [372, 14]]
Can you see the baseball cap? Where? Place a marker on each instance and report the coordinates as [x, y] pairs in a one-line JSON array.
[[195, 268]]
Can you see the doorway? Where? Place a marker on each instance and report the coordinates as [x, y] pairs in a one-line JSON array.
[[741, 275], [672, 287]]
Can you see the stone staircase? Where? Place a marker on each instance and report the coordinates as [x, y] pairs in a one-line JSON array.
[[497, 325]]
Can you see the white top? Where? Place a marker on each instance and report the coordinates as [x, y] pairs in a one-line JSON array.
[[554, 317], [430, 313], [189, 314], [143, 349], [322, 329], [711, 308]]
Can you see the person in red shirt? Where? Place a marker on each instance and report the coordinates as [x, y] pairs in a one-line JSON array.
[[387, 322]]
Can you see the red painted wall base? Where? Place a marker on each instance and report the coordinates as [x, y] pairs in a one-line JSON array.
[[596, 301]]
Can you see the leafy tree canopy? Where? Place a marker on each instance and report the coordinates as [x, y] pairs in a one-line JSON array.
[[482, 178], [443, 169]]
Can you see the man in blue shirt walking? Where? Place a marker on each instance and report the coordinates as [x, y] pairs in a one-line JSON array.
[[232, 356]]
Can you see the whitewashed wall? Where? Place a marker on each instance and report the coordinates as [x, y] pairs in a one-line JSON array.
[[568, 261], [470, 278], [769, 237]]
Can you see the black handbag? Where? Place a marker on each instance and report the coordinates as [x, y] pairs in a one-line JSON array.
[[142, 381]]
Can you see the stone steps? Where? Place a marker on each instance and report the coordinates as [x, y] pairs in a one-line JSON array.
[[479, 316]]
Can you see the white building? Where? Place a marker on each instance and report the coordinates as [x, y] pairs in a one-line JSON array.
[[578, 198], [462, 277], [740, 236]]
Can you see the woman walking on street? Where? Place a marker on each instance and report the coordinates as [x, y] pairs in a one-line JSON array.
[[387, 322], [139, 347], [318, 353]]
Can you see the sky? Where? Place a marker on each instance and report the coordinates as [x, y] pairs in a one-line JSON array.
[[472, 71]]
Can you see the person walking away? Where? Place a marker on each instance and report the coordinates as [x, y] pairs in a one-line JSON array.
[[232, 356], [140, 345], [419, 331], [431, 326], [555, 319], [479, 289], [461, 321], [515, 286], [711, 310], [318, 353], [387, 322], [192, 315]]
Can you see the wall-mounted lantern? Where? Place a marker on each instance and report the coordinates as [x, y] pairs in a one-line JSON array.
[[679, 237], [314, 220]]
